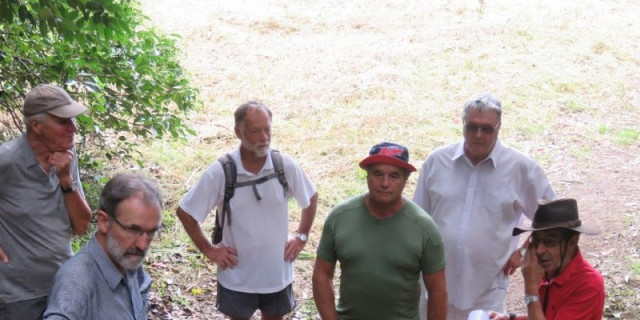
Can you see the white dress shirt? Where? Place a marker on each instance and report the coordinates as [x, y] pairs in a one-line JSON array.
[[476, 209]]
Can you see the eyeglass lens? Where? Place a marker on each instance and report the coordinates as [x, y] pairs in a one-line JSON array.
[[136, 231]]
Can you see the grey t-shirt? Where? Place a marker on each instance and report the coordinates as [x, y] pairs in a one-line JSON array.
[[35, 231]]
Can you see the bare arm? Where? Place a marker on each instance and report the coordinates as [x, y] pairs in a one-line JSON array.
[[436, 286], [295, 245], [513, 263], [225, 257], [323, 291], [503, 316], [3, 256], [77, 206]]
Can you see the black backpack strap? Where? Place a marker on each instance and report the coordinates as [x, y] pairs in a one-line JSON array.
[[278, 167], [230, 173], [229, 168], [253, 183]]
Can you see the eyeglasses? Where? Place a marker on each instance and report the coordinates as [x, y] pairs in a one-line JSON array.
[[473, 128], [136, 231], [548, 242]]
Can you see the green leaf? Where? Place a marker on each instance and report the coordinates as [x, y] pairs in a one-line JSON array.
[[107, 59]]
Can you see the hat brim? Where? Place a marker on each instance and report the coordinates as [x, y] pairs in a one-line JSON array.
[[386, 160], [586, 229], [68, 111]]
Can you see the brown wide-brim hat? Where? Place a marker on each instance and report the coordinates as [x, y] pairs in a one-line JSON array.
[[51, 99], [561, 213]]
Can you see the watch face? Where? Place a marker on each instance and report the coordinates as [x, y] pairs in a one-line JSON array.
[[530, 299], [302, 236]]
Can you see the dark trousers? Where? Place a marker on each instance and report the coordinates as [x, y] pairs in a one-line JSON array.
[[23, 310]]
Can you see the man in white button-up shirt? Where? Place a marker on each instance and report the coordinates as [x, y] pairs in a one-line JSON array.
[[477, 191]]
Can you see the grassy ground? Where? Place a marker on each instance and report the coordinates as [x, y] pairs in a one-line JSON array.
[[341, 77]]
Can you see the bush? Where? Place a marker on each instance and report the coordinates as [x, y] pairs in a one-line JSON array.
[[101, 53]]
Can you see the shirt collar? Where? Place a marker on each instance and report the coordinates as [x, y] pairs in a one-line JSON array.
[[566, 274], [26, 152], [492, 158], [240, 168], [110, 273]]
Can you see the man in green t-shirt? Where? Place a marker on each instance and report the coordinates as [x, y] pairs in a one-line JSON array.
[[384, 243]]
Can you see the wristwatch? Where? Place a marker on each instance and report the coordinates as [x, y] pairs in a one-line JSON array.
[[68, 189], [529, 299], [302, 236]]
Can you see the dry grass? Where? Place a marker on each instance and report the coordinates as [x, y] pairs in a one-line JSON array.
[[341, 77]]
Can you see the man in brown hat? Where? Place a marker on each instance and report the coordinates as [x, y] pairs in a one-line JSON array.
[[384, 243], [558, 282], [41, 201]]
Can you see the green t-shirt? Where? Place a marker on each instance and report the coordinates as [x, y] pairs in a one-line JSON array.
[[380, 260]]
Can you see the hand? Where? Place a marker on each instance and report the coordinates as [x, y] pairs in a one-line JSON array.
[[224, 257], [3, 256], [61, 160], [532, 271], [514, 262], [498, 316], [292, 249]]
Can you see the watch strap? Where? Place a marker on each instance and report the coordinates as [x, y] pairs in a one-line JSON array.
[[68, 189], [529, 299]]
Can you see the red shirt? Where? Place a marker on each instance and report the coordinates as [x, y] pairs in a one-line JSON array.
[[576, 294]]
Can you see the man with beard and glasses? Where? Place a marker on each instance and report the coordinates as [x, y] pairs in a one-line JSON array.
[[559, 284], [256, 253], [105, 280], [41, 201]]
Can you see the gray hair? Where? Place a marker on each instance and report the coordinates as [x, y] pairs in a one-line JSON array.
[[483, 102], [125, 186], [241, 112], [40, 117]]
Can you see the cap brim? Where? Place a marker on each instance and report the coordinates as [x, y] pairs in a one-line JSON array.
[[386, 160], [68, 111]]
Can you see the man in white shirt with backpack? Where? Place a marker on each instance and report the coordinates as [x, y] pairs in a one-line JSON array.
[[255, 252]]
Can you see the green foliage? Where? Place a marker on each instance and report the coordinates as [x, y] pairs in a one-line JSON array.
[[101, 53], [602, 129], [574, 106], [627, 136]]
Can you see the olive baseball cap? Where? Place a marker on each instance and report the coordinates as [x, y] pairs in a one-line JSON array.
[[51, 99]]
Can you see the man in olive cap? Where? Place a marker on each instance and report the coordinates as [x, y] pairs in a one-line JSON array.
[[558, 282], [385, 244], [41, 201]]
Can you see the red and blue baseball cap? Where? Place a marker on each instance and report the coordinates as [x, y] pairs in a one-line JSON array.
[[388, 153]]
